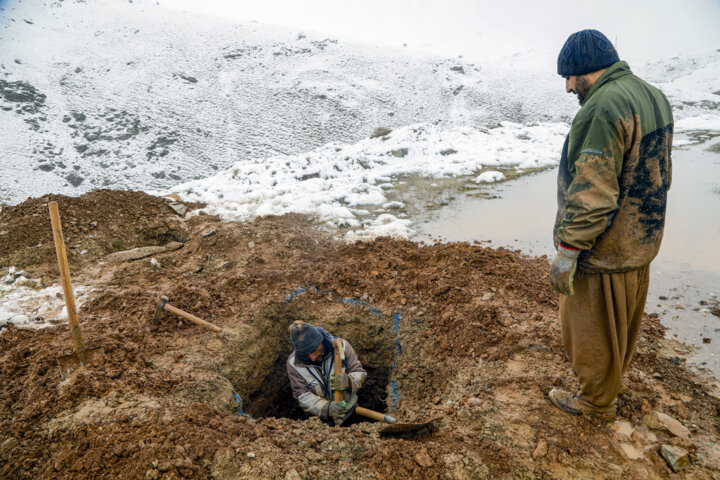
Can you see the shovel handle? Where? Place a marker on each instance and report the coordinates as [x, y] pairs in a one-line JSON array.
[[337, 346], [380, 417], [65, 277]]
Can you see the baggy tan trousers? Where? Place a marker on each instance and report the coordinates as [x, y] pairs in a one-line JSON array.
[[600, 325]]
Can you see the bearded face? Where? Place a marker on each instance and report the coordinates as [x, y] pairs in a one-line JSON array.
[[582, 87]]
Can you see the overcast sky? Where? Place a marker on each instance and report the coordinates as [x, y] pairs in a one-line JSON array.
[[644, 30]]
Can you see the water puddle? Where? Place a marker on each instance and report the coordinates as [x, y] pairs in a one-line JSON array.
[[685, 277]]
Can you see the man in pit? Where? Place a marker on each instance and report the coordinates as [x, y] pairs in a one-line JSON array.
[[310, 368]]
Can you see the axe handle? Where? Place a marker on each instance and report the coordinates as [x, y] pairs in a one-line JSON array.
[[65, 277], [337, 346], [192, 318]]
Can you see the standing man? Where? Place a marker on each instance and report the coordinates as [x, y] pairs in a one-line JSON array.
[[310, 368], [613, 180]]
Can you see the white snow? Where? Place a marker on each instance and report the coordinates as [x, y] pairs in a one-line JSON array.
[[491, 176], [384, 226], [21, 304], [336, 180], [700, 123]]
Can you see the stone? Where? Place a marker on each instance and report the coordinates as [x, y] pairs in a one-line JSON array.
[[540, 450], [179, 208], [487, 296], [400, 152], [8, 445], [183, 463], [380, 132], [292, 475], [74, 179], [209, 232], [142, 252], [676, 457], [250, 455], [152, 474], [662, 421], [424, 459], [474, 402]]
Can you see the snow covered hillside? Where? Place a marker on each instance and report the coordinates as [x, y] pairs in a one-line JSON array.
[[130, 95]]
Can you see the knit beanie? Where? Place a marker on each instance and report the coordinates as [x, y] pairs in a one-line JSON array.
[[305, 338], [585, 52]]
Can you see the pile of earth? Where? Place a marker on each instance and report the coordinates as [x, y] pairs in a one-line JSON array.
[[95, 224], [463, 333]]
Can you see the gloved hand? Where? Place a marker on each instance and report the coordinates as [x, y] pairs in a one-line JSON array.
[[562, 270], [337, 410], [340, 382]]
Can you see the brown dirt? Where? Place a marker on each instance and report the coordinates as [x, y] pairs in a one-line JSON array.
[[478, 331], [97, 223]]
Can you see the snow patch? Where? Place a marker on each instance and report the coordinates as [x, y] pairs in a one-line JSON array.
[[385, 225], [31, 307], [705, 122], [334, 182], [490, 177]]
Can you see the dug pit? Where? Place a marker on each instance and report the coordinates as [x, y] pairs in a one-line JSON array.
[[369, 331]]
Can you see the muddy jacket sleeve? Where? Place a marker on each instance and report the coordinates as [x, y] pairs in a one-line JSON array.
[[309, 402], [594, 162], [354, 369]]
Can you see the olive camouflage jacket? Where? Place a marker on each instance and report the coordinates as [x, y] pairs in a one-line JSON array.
[[614, 174]]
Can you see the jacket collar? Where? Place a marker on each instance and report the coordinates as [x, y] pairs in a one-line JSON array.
[[616, 70]]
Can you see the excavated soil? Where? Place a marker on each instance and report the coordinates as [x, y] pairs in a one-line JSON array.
[[462, 333]]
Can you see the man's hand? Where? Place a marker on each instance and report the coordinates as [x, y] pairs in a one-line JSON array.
[[337, 410], [340, 382], [562, 270]]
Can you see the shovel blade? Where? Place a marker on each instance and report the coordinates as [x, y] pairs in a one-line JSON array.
[[68, 363], [400, 428]]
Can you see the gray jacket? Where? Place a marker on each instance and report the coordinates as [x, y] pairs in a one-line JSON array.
[[311, 383]]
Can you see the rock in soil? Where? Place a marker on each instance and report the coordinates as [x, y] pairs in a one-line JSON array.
[[676, 457], [662, 421]]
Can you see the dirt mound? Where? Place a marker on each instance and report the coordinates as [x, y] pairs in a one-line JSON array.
[[94, 224], [460, 332]]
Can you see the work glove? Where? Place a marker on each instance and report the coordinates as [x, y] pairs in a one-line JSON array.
[[340, 382], [562, 270], [337, 410]]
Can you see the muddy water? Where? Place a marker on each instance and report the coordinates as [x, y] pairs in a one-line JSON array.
[[684, 276]]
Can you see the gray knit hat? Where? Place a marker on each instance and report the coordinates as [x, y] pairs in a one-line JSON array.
[[585, 52], [305, 338]]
